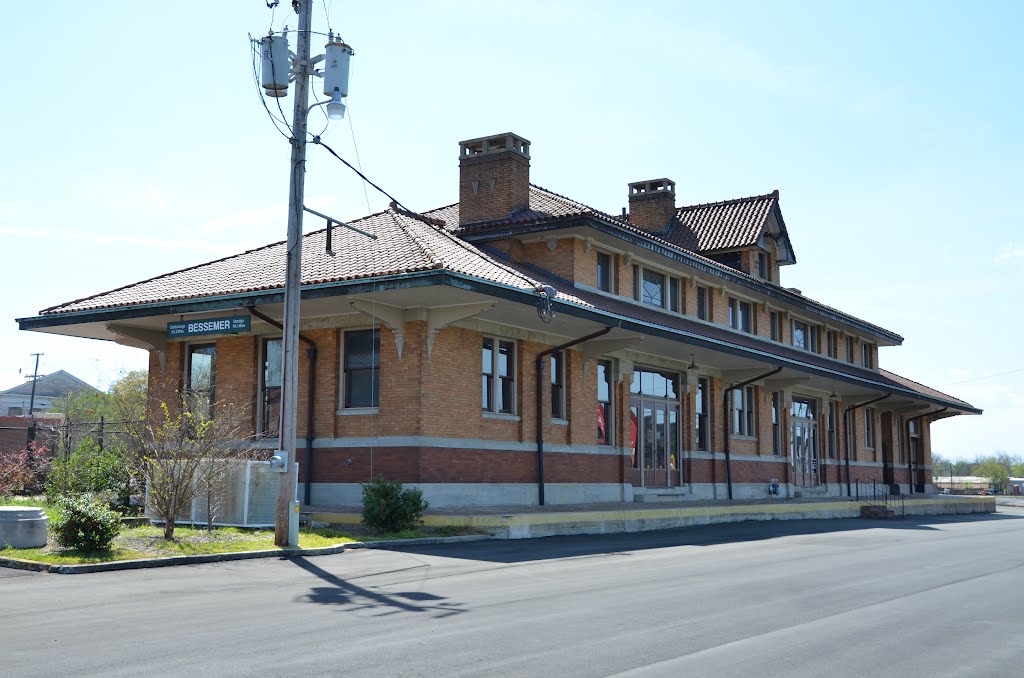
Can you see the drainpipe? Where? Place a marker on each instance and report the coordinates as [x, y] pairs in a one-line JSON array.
[[540, 402], [725, 423], [910, 459], [847, 423], [311, 353]]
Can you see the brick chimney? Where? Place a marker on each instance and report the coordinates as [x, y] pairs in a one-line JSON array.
[[494, 177], [652, 204]]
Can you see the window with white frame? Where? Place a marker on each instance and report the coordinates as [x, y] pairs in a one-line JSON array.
[[656, 289], [741, 315], [804, 336], [558, 410], [743, 412], [605, 411], [701, 409], [201, 374], [869, 428], [605, 275], [498, 367], [703, 303], [361, 369], [832, 427], [866, 355], [270, 387], [832, 344], [776, 422]]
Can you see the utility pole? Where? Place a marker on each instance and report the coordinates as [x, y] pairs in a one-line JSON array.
[[35, 376], [293, 278]]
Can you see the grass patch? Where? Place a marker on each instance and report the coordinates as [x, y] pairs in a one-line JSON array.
[[147, 541]]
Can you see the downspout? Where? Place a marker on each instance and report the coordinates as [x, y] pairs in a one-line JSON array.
[[910, 458], [848, 432], [539, 397], [725, 423], [311, 353]]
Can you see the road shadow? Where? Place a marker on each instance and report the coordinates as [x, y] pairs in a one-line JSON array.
[[546, 548], [345, 595]]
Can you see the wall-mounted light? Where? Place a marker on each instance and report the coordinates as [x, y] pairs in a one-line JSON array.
[[693, 363]]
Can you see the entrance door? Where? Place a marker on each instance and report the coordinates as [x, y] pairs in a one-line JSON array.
[[803, 442], [656, 442]]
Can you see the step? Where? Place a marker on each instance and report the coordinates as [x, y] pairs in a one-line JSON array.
[[873, 511]]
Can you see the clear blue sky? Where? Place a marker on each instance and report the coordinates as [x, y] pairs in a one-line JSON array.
[[135, 144]]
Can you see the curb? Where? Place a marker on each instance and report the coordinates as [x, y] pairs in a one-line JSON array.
[[171, 561]]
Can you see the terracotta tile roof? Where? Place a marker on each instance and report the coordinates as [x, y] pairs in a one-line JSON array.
[[921, 388], [403, 245], [722, 225]]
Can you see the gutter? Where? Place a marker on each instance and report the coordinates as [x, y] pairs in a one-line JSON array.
[[311, 353], [539, 397], [910, 458], [725, 426], [847, 421]]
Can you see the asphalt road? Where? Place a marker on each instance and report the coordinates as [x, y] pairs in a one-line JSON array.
[[915, 597]]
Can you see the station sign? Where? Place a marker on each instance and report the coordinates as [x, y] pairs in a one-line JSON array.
[[195, 328]]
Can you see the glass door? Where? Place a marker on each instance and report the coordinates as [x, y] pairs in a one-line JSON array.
[[803, 442]]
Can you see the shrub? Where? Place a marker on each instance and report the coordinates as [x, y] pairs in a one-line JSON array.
[[91, 470], [84, 522], [24, 471], [390, 508]]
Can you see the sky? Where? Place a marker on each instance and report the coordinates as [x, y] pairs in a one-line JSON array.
[[137, 144]]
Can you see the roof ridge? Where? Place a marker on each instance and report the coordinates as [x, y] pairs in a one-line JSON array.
[[732, 201], [435, 260]]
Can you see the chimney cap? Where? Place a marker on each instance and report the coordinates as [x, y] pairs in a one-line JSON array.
[[654, 186], [495, 143]]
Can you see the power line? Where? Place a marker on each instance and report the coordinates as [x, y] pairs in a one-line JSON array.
[[318, 142], [990, 376]]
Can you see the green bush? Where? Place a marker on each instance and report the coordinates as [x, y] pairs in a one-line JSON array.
[[84, 522], [91, 470], [388, 507]]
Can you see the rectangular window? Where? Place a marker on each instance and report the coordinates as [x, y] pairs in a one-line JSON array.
[[604, 272], [866, 355], [653, 288], [701, 406], [775, 326], [832, 344], [673, 295], [202, 370], [499, 387], [740, 315], [849, 350], [558, 386], [743, 411], [762, 265], [869, 428], [703, 303], [605, 412], [270, 388], [776, 423], [833, 437], [361, 368], [805, 336]]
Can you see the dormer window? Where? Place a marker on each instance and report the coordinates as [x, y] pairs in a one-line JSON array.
[[866, 355], [762, 266]]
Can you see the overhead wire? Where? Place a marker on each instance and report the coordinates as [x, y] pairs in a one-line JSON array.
[[359, 162], [989, 376], [318, 142]]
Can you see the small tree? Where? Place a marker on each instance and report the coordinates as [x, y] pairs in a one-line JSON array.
[[995, 470], [177, 447]]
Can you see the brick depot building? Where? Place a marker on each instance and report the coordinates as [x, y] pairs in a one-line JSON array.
[[520, 347]]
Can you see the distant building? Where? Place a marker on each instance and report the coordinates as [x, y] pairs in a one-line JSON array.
[[15, 402]]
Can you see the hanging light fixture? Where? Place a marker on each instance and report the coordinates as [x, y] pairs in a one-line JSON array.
[[693, 363]]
